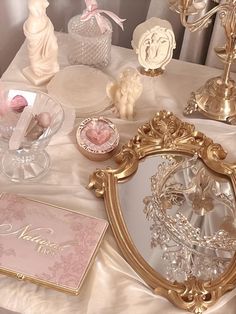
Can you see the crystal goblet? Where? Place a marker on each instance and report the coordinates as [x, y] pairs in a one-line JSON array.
[[29, 160]]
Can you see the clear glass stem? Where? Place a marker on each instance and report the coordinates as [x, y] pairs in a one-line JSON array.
[[25, 165]]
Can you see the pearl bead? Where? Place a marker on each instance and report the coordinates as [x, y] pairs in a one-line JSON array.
[[18, 103], [44, 119]]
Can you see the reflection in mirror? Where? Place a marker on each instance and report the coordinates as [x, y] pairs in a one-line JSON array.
[[180, 216], [171, 206]]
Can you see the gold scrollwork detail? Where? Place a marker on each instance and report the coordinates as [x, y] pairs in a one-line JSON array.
[[20, 276], [196, 295], [97, 182], [165, 133]]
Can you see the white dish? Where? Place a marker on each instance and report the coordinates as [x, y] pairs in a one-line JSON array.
[[82, 88]]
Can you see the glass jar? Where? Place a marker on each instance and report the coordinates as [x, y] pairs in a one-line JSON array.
[[88, 45]]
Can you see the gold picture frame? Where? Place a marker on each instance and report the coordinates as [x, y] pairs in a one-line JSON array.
[[165, 133]]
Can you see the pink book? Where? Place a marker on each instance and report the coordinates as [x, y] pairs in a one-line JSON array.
[[46, 244]]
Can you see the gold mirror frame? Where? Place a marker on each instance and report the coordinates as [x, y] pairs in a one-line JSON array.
[[165, 133]]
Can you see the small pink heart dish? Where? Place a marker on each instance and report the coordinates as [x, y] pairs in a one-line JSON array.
[[97, 138]]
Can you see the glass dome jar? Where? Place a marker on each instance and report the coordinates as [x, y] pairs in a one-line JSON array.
[[88, 45]]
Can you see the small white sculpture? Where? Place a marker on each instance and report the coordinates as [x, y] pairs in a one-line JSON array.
[[125, 92], [154, 42], [41, 42]]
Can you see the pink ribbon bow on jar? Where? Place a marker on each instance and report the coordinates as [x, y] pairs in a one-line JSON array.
[[93, 11]]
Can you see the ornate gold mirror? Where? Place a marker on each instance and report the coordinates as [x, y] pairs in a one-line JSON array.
[[171, 206]]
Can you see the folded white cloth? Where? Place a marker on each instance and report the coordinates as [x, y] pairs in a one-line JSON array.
[[111, 287]]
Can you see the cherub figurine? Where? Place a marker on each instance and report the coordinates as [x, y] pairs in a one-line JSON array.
[[125, 92], [41, 42]]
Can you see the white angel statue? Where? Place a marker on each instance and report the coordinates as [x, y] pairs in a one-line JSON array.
[[41, 43], [125, 92]]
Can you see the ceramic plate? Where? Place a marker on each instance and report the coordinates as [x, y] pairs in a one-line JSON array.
[[82, 88]]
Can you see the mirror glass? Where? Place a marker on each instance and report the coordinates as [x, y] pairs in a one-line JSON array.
[[180, 216]]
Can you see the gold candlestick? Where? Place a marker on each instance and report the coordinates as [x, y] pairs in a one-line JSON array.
[[217, 98]]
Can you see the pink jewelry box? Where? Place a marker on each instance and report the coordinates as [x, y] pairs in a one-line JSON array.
[[46, 244]]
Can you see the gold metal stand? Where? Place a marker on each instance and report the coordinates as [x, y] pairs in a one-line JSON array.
[[217, 98], [151, 72]]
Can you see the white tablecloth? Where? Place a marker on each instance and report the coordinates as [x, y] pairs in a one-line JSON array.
[[111, 287]]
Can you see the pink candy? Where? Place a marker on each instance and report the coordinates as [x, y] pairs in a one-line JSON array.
[[43, 119], [18, 103], [38, 124]]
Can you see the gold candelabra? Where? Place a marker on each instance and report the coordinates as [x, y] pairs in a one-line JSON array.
[[217, 98]]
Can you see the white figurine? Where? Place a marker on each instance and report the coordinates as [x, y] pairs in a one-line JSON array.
[[41, 42], [154, 42], [125, 92]]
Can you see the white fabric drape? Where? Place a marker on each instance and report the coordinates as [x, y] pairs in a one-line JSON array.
[[161, 9], [193, 47], [112, 287], [12, 15], [217, 40], [134, 11]]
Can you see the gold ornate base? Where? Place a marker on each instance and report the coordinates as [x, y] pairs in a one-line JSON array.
[[215, 100], [151, 72]]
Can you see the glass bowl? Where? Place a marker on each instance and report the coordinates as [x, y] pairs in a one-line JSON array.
[[26, 159]]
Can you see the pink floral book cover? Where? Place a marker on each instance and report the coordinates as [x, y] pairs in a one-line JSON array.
[[47, 244]]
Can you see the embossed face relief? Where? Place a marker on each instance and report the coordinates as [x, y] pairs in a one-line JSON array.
[[154, 49], [154, 42]]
